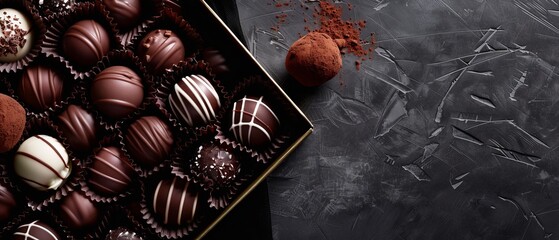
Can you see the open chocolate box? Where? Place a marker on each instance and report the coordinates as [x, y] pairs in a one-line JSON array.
[[166, 152]]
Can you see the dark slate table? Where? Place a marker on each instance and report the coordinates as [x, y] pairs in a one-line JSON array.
[[451, 132]]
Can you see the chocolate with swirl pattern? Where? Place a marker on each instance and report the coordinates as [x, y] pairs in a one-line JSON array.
[[79, 127], [149, 141], [40, 88]]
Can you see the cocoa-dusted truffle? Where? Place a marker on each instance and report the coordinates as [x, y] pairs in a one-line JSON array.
[[85, 43], [194, 100], [12, 122], [149, 141], [175, 201], [160, 49], [110, 173], [7, 203], [40, 87], [42, 162], [117, 91], [79, 127], [16, 35], [313, 59], [215, 166], [35, 230], [126, 13], [122, 234], [78, 212], [254, 123]]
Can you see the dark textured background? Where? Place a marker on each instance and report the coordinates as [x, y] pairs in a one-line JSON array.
[[449, 133]]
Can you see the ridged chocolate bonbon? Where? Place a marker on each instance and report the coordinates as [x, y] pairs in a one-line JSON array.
[[35, 230], [194, 100], [175, 201], [110, 172], [160, 49], [79, 127], [16, 35], [149, 141], [78, 212], [117, 91], [126, 13], [40, 87], [42, 162], [7, 204], [253, 122], [85, 43]]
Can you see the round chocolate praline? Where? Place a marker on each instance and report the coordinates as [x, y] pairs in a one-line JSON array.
[[175, 201], [12, 122], [85, 43], [160, 49], [40, 87], [110, 173], [194, 100], [126, 13], [50, 7], [117, 91], [149, 141], [254, 123], [79, 127], [42, 162], [16, 35], [7, 203], [35, 230], [78, 212], [122, 234], [216, 166]]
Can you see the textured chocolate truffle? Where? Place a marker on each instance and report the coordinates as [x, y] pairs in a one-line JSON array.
[[16, 35], [85, 43], [7, 203], [175, 201], [42, 162], [313, 59], [35, 230], [216, 166], [49, 7], [78, 212], [110, 173], [161, 49], [40, 88], [149, 141], [117, 91], [79, 127], [194, 100], [254, 123], [122, 234], [126, 13], [12, 122]]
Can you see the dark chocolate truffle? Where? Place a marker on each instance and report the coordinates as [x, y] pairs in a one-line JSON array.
[[313, 59], [173, 5], [12, 122], [126, 13], [216, 166], [117, 91], [110, 173], [77, 211], [35, 230], [40, 88], [161, 49], [50, 7], [85, 43], [42, 162], [122, 234], [79, 127], [254, 123], [149, 141], [175, 201], [7, 203], [216, 61], [16, 35], [194, 100]]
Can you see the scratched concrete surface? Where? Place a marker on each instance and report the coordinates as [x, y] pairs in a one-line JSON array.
[[451, 132]]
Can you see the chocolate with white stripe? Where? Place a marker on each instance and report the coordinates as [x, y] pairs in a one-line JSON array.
[[42, 162], [253, 122], [35, 230], [175, 201], [194, 100]]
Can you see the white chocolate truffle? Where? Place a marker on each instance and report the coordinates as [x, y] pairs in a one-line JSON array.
[[42, 162], [16, 35]]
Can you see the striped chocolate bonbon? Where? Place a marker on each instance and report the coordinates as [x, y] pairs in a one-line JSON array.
[[175, 201], [35, 230], [253, 122], [110, 173], [194, 100]]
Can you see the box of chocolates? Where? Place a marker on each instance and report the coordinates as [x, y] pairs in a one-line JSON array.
[[137, 119]]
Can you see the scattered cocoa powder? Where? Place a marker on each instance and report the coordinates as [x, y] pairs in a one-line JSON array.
[[12, 122]]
